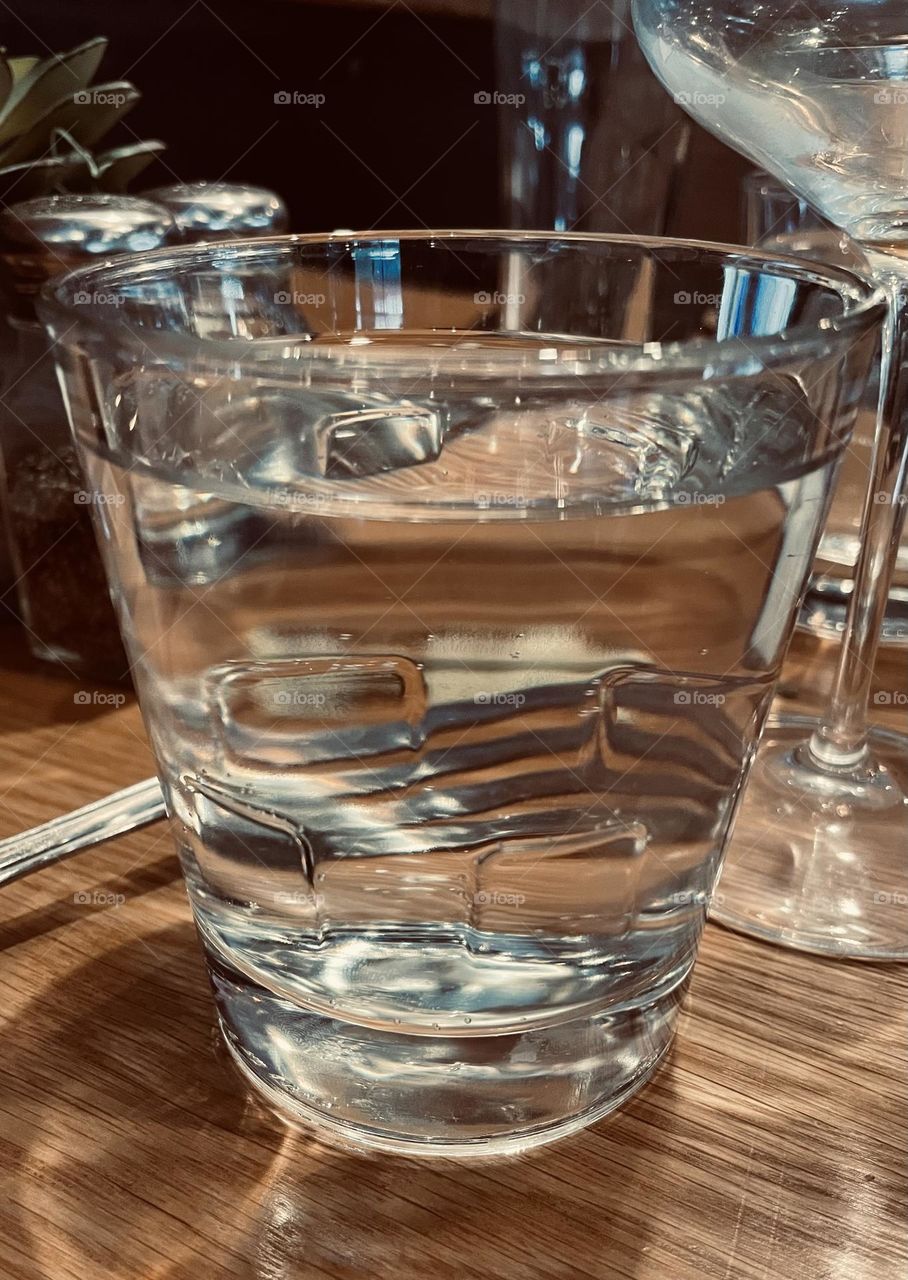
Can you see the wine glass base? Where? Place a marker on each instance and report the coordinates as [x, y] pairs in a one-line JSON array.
[[823, 615], [817, 862]]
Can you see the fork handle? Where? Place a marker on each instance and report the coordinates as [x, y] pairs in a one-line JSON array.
[[103, 819]]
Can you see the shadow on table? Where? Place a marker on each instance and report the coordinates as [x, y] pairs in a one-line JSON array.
[[176, 1171], [54, 915], [126, 1108]]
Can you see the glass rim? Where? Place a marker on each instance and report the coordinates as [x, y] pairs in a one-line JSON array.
[[863, 300]]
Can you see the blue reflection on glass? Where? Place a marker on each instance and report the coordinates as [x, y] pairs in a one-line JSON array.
[[754, 304], [576, 83], [379, 298], [540, 136], [574, 147]]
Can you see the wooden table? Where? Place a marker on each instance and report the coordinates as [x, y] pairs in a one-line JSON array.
[[771, 1145]]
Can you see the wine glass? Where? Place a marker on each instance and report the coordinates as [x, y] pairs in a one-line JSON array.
[[777, 220], [818, 95]]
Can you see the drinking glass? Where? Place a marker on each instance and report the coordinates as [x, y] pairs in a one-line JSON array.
[[589, 139], [817, 93], [776, 218], [456, 571]]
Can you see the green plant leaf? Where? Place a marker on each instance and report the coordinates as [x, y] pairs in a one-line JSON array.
[[46, 82], [21, 66], [6, 79], [120, 166], [87, 122]]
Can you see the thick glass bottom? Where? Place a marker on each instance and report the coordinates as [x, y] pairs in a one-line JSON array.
[[452, 1095]]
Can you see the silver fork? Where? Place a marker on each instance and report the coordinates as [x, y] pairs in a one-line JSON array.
[[103, 819]]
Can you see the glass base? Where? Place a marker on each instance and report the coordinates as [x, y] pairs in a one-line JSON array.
[[823, 613], [104, 666], [468, 1096], [817, 862]]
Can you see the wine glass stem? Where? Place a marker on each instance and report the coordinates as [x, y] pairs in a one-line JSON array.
[[840, 741]]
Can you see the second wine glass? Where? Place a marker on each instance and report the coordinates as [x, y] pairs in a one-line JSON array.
[[818, 95]]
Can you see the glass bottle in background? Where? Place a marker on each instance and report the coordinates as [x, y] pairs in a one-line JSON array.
[[60, 586], [590, 141], [777, 218]]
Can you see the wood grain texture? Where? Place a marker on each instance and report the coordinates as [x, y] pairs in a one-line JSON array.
[[771, 1145]]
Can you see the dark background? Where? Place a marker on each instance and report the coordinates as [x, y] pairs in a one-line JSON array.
[[399, 141]]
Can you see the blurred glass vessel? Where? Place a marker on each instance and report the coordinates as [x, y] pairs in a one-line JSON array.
[[61, 589], [456, 602], [590, 140], [221, 210]]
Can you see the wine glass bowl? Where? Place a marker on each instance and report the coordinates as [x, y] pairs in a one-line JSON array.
[[817, 94]]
